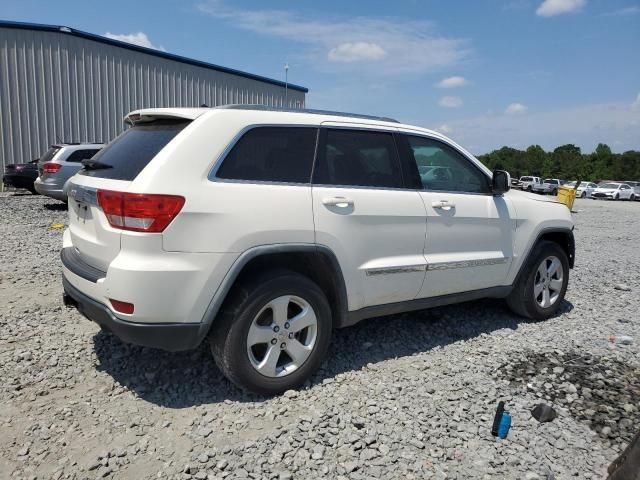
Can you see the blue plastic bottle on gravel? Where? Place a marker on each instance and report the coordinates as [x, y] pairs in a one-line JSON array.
[[505, 425]]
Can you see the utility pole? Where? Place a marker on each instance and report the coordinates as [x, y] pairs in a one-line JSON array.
[[286, 85]]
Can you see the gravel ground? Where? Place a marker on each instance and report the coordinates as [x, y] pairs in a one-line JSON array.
[[406, 397]]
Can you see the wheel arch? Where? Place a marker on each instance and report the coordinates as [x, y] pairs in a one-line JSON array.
[[317, 262], [561, 236]]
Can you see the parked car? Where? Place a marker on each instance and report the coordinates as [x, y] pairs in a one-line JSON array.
[[527, 183], [262, 258], [21, 175], [549, 185], [636, 188], [584, 190], [515, 183], [614, 191], [60, 163]]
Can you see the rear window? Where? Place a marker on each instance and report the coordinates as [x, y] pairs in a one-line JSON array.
[[131, 151], [49, 154]]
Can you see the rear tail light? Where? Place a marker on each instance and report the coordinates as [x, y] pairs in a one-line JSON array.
[[122, 307], [139, 212], [51, 167]]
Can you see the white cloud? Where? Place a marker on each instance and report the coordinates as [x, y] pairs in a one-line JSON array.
[[623, 12], [450, 102], [616, 124], [356, 52], [139, 38], [380, 46], [635, 106], [551, 8], [444, 128], [452, 82], [516, 109]]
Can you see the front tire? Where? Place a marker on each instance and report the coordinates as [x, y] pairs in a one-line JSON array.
[[273, 333], [583, 195], [541, 288]]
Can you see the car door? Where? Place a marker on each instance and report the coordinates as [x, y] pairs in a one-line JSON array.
[[362, 211], [469, 243]]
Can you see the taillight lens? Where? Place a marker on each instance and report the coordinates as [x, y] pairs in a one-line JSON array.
[[139, 212], [51, 167], [122, 307]]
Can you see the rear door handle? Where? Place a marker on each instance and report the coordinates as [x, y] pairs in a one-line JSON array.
[[341, 202], [443, 204]]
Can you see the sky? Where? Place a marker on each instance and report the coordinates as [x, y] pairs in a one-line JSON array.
[[487, 73]]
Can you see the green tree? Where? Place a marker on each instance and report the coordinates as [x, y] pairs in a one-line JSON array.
[[566, 162], [535, 157]]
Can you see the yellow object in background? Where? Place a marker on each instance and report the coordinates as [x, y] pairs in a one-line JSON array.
[[57, 226], [566, 195]]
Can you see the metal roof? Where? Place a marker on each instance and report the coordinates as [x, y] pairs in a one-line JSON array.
[[149, 51]]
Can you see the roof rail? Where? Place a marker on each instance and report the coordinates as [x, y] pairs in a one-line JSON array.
[[266, 108]]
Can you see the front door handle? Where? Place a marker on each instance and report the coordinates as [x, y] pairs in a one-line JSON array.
[[443, 204], [341, 202]]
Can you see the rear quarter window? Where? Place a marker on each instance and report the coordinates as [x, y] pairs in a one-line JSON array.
[[126, 156], [79, 155], [272, 154]]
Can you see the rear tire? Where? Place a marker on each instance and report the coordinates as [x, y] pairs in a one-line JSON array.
[[528, 296], [260, 350]]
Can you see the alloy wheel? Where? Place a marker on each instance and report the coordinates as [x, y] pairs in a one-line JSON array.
[[282, 336], [548, 282]]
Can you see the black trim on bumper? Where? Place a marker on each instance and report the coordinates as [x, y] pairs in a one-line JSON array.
[[75, 264], [172, 337]]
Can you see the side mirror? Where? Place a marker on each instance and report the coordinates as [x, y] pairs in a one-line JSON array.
[[501, 182]]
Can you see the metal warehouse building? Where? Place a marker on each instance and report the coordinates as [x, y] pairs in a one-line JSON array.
[[60, 84]]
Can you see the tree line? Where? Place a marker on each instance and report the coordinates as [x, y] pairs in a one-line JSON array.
[[566, 162]]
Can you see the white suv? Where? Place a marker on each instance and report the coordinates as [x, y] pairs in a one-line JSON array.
[[262, 230]]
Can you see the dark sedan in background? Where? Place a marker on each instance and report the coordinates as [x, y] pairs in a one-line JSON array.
[[21, 175]]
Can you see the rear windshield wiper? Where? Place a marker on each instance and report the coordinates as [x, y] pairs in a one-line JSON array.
[[95, 165]]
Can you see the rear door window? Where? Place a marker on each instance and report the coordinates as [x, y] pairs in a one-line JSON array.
[[272, 154], [126, 156], [358, 158]]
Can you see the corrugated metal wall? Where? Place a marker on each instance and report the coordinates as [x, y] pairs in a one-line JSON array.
[[57, 87]]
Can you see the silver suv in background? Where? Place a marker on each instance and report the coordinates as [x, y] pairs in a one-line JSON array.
[[549, 185], [527, 183], [60, 163]]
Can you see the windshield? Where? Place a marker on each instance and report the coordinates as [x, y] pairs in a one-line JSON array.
[[550, 180], [609, 185], [126, 156], [573, 184], [526, 179]]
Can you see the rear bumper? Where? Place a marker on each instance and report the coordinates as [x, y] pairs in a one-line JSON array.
[[172, 337], [18, 180], [50, 189]]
